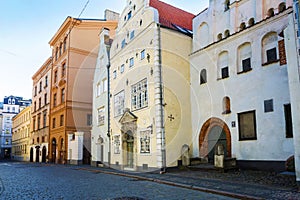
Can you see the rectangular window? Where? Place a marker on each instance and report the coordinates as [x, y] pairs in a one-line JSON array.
[[114, 74], [271, 55], [139, 95], [39, 122], [53, 123], [101, 116], [247, 125], [63, 95], [55, 76], [225, 72], [246, 63], [33, 123], [46, 81], [34, 107], [131, 62], [89, 120], [44, 119], [63, 70], [122, 68], [143, 54], [104, 83], [41, 86], [131, 35], [98, 89], [129, 15], [40, 103], [61, 122], [123, 43], [268, 105], [117, 144], [119, 101], [288, 121], [45, 99], [35, 90], [145, 141], [54, 99]]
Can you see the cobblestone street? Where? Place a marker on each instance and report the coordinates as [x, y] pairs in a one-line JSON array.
[[42, 181]]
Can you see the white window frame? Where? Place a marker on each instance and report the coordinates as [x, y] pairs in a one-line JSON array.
[[101, 116], [117, 144], [145, 141], [139, 95], [119, 102]]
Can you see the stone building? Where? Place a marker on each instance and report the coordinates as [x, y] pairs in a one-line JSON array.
[[149, 86], [21, 135], [39, 137], [75, 48], [240, 84]]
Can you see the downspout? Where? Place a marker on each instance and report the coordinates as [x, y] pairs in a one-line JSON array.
[[108, 112], [159, 112]]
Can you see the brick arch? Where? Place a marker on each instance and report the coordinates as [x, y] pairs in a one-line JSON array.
[[203, 137]]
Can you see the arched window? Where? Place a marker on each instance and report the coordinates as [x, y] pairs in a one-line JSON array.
[[226, 33], [251, 21], [270, 48], [244, 57], [226, 5], [226, 105], [223, 69], [282, 7], [270, 12], [219, 36], [242, 26], [202, 36], [203, 76]]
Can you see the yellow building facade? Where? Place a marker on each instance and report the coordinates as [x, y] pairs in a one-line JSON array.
[[150, 86], [21, 135]]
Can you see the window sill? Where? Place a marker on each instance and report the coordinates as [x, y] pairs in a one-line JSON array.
[[248, 139], [218, 79], [226, 112], [242, 72], [271, 62]]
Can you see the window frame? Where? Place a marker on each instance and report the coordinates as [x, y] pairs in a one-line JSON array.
[[242, 136]]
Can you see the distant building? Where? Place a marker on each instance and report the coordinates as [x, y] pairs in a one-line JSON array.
[[11, 106], [40, 110], [75, 49], [21, 135]]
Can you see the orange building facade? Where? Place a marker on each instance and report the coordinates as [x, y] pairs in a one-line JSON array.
[[74, 51]]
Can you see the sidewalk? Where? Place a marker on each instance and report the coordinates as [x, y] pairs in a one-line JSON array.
[[236, 183]]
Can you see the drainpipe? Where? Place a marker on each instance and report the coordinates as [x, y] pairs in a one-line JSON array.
[[108, 111], [159, 112]]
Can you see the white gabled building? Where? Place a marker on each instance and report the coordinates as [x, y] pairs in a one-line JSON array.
[[240, 88]]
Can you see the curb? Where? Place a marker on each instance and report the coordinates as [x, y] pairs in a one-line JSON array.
[[181, 185]]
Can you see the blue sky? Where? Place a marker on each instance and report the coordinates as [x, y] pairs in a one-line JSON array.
[[26, 27]]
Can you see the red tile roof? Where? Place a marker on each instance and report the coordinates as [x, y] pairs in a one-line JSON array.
[[169, 15]]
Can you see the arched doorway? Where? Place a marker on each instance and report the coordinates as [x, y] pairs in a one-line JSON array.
[[44, 154], [214, 131], [31, 154], [37, 154], [53, 150]]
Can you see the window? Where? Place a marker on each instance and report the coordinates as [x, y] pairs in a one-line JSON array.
[[119, 101], [101, 116], [43, 139], [225, 72], [60, 49], [45, 99], [131, 62], [61, 122], [271, 12], [226, 33], [46, 81], [40, 103], [269, 48], [122, 68], [39, 122], [56, 54], [53, 123], [131, 35], [44, 119], [226, 105], [220, 36], [89, 119], [247, 125], [63, 95], [203, 76], [139, 95], [123, 44], [41, 85], [244, 57], [34, 106], [33, 123], [117, 144], [226, 5], [35, 91], [54, 99], [251, 21], [129, 15], [55, 76], [281, 7], [288, 121], [145, 141], [143, 54], [63, 70], [114, 74], [242, 26], [98, 89], [65, 44], [268, 105]]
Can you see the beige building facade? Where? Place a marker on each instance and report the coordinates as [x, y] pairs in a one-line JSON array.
[[21, 135]]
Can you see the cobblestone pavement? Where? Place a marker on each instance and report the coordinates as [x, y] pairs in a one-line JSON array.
[[47, 181]]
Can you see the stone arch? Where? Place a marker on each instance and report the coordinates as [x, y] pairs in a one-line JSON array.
[[206, 127]]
